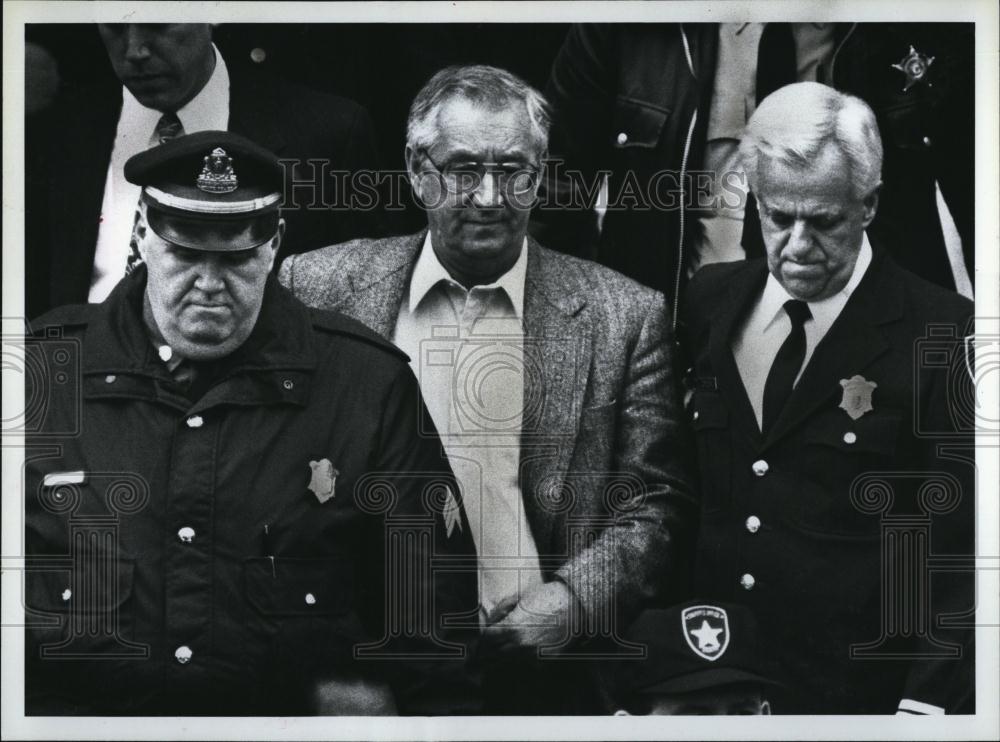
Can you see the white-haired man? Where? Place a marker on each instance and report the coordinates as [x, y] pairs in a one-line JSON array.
[[823, 482], [549, 378]]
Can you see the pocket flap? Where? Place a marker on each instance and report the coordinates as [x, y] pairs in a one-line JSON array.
[[637, 125], [871, 433], [299, 587], [52, 589]]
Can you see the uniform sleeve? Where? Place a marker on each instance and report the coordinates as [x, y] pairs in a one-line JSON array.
[[431, 591], [942, 677], [648, 546]]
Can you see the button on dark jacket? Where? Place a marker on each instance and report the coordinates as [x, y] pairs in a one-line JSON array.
[[224, 556]]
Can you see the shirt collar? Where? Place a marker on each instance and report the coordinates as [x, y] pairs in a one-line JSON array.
[[825, 310], [428, 273], [208, 110]]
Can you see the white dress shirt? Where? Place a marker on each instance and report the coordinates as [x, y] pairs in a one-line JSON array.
[[466, 349], [208, 110], [767, 326]]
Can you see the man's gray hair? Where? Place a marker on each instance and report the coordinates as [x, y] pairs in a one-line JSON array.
[[491, 87], [795, 123]]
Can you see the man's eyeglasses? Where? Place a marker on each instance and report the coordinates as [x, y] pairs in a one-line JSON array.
[[514, 179]]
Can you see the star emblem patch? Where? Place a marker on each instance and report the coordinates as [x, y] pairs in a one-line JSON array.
[[706, 630]]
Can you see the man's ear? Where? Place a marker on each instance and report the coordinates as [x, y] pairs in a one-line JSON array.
[[870, 204], [425, 184], [276, 243]]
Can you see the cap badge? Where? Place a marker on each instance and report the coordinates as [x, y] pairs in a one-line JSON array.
[[217, 174], [914, 65], [706, 629], [324, 476], [857, 399]]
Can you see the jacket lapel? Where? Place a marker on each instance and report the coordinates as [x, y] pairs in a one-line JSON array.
[[375, 294], [558, 347], [849, 346], [742, 291]]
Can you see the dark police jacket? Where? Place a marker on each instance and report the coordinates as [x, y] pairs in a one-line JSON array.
[[222, 556], [857, 533]]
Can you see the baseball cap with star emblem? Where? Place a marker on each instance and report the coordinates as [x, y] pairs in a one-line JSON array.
[[690, 647]]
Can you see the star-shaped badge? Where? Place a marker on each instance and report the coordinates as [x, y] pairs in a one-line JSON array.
[[708, 638], [914, 65]]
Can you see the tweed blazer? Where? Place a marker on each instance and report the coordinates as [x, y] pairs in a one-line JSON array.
[[602, 473]]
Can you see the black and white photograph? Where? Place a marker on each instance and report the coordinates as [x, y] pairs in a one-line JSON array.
[[501, 370]]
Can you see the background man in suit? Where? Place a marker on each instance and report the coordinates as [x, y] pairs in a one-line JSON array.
[[169, 79], [549, 378], [819, 442]]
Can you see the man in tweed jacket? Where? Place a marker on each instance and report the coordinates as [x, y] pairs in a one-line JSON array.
[[601, 508]]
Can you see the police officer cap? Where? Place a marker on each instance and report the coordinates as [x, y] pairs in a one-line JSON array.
[[212, 190], [691, 647]]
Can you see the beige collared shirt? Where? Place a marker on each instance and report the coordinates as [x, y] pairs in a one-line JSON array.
[[767, 326], [466, 349], [208, 110]]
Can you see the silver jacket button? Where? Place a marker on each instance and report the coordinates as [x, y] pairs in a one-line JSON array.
[[183, 654]]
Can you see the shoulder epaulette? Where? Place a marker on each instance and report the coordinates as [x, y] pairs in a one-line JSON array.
[[340, 324]]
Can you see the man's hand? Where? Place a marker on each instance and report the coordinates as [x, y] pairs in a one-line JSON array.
[[540, 617]]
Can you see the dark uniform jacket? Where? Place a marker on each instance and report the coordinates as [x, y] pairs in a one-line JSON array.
[[849, 538], [222, 555], [67, 162], [633, 101]]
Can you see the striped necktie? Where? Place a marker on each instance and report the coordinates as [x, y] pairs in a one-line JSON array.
[[168, 127]]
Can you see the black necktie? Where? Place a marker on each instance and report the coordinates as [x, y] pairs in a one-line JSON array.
[[787, 364], [168, 127]]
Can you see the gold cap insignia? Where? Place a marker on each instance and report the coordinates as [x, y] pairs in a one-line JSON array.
[[217, 175]]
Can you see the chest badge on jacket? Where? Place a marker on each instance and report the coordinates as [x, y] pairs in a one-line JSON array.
[[324, 477], [914, 65], [857, 399]]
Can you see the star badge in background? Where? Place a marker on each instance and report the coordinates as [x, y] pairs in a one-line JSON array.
[[452, 513], [914, 65], [324, 476], [706, 629], [857, 399]]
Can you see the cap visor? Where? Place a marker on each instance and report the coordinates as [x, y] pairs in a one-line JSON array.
[[709, 678], [214, 233]]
